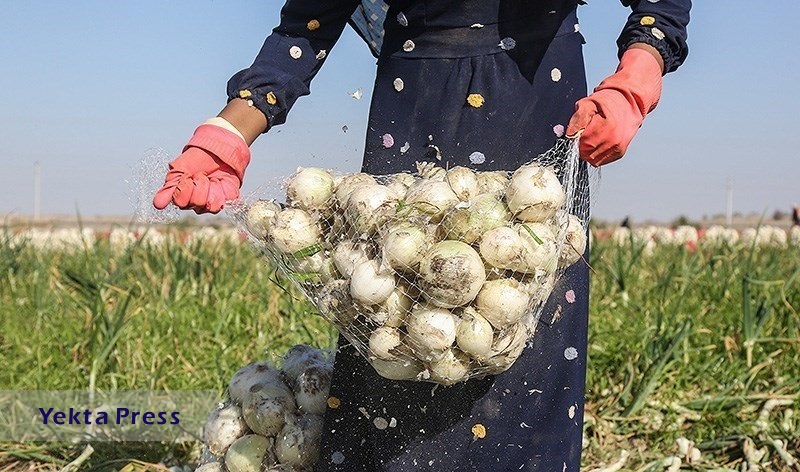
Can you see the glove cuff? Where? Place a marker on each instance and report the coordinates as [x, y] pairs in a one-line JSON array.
[[638, 78], [224, 145]]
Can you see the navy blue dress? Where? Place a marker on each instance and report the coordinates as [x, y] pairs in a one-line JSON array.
[[458, 77]]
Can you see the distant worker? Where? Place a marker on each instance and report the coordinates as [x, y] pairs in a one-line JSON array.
[[795, 215]]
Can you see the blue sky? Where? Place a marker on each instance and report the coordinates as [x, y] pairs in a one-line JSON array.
[[89, 86]]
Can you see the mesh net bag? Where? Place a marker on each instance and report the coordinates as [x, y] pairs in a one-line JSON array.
[[437, 276]]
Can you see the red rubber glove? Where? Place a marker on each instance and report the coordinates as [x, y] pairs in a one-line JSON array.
[[611, 116], [208, 173]]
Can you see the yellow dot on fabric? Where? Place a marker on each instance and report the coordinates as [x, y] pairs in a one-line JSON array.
[[271, 98], [647, 21], [475, 100], [478, 431], [334, 402], [313, 25], [245, 94]]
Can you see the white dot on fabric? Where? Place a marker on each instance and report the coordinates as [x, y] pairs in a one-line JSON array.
[[571, 353], [322, 54], [477, 158], [398, 84], [507, 44], [401, 18], [657, 33], [577, 27], [555, 74], [653, 1], [295, 52], [337, 457], [409, 46]]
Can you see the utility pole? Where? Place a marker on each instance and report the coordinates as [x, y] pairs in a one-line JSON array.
[[729, 213], [37, 190]]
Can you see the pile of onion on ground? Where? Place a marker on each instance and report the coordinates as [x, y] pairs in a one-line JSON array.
[[437, 276], [272, 420]]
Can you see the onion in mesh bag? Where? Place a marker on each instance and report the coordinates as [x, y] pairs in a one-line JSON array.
[[436, 276]]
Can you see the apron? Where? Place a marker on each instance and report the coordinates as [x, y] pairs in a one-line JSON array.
[[524, 61]]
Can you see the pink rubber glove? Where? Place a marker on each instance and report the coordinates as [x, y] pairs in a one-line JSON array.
[[611, 116], [208, 172]]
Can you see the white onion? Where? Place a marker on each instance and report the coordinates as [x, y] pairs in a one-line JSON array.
[[433, 198], [540, 287], [574, 242], [299, 358], [394, 310], [502, 302], [468, 222], [294, 230], [247, 453], [399, 183], [450, 368], [318, 265], [250, 375], [370, 284], [347, 254], [311, 389], [507, 348], [503, 248], [267, 407], [261, 216], [398, 369], [210, 467], [451, 274], [347, 184], [534, 193], [310, 189], [369, 206], [541, 247], [493, 182], [404, 246], [223, 426], [463, 182], [431, 329], [383, 341], [335, 303], [430, 171], [297, 444], [474, 334]]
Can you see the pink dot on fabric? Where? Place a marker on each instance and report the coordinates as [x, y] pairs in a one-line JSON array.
[[388, 140], [570, 296], [558, 130]]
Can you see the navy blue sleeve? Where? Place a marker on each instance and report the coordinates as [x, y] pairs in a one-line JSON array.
[[661, 24], [291, 56]]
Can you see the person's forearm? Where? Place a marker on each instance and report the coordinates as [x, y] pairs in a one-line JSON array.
[[250, 121], [651, 50]]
